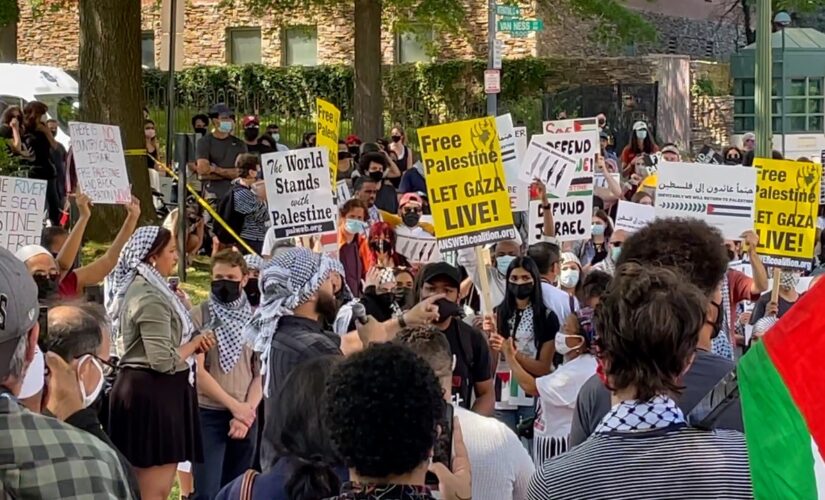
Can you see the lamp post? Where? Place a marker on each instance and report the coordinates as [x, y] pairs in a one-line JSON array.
[[764, 80], [782, 20]]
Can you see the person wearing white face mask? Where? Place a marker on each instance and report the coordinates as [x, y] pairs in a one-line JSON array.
[[503, 253], [570, 276], [558, 390], [353, 247], [640, 141], [595, 250]]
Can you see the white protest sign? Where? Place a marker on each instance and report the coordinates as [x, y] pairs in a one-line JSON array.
[[599, 180], [342, 193], [99, 162], [572, 217], [633, 216], [582, 147], [570, 125], [294, 180], [512, 160], [722, 196], [521, 141], [22, 203], [418, 250], [552, 168]]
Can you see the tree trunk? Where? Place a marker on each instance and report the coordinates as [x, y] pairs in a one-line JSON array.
[[369, 99], [111, 92], [750, 34], [8, 43]]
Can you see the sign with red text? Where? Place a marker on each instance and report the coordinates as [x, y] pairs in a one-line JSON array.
[[99, 163]]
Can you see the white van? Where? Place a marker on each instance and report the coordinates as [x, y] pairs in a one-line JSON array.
[[22, 83]]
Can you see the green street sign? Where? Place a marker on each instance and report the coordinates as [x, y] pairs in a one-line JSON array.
[[519, 34], [508, 10], [514, 25]]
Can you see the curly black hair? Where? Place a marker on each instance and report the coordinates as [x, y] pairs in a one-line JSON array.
[[594, 284], [693, 247], [383, 407]]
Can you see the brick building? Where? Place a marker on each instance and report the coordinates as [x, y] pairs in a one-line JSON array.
[[217, 35]]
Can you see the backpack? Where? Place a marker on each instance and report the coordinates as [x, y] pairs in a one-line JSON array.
[[226, 209]]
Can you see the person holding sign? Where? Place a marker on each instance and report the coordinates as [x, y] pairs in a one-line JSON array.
[[787, 297]]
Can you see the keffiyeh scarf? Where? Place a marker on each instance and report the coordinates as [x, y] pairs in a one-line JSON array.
[[254, 262], [635, 416], [524, 332], [289, 281], [129, 266], [233, 316], [721, 344]]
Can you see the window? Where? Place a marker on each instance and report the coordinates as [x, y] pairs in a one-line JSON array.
[[243, 45], [709, 46], [411, 45], [147, 49], [804, 105], [300, 46], [671, 44]]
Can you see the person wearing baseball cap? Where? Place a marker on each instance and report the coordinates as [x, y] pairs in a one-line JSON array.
[[472, 370], [252, 136], [62, 450], [217, 152], [640, 141], [410, 209]]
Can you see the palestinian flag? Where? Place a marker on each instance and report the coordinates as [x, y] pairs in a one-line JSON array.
[[782, 389]]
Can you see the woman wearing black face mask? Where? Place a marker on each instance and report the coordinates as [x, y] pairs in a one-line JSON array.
[[378, 299], [733, 156], [253, 291], [523, 316]]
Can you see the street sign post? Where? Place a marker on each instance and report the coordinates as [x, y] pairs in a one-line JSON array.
[[492, 81], [516, 25], [508, 10]]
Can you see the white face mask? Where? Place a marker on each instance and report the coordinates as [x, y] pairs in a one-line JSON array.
[[569, 278], [561, 343], [90, 398]]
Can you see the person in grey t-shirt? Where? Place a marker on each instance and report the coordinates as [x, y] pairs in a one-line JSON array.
[[217, 153]]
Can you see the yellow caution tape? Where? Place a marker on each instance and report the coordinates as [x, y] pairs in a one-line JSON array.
[[135, 152], [205, 204]]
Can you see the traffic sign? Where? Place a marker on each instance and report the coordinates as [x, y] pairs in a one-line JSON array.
[[498, 49], [508, 10], [492, 81], [512, 25]]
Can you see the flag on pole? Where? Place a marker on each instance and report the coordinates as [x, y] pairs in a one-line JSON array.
[[781, 380]]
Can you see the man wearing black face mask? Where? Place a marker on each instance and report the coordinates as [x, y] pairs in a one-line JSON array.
[[471, 354], [251, 136], [410, 209], [374, 165], [229, 378]]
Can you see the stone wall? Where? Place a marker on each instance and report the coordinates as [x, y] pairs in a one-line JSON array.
[[711, 122]]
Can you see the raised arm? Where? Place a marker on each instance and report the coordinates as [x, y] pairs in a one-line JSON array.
[[67, 255]]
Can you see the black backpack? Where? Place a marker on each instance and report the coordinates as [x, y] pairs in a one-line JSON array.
[[226, 209]]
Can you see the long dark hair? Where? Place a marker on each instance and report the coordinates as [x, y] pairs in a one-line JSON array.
[[32, 113], [648, 144], [163, 238], [507, 309], [11, 111], [300, 434]]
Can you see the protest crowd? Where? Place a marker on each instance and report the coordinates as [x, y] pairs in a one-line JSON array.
[[475, 316]]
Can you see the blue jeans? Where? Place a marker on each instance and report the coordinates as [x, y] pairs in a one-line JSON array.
[[511, 418], [224, 458]]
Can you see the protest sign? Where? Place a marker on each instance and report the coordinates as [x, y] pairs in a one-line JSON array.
[[99, 162], [786, 208], [709, 156], [418, 250], [327, 127], [720, 195], [512, 159], [633, 216], [549, 166], [822, 181], [342, 193], [572, 217], [466, 183], [571, 125], [22, 203], [582, 147], [294, 180], [599, 180]]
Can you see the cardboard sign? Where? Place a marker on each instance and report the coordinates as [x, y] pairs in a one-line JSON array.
[[572, 217], [786, 210], [327, 127], [552, 168], [512, 159], [22, 203], [582, 147], [294, 180], [599, 180], [342, 193], [571, 125], [633, 216], [418, 250], [99, 163], [466, 184], [720, 195]]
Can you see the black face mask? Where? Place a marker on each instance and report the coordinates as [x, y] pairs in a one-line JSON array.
[[226, 291], [411, 219], [396, 138], [731, 255], [733, 161], [253, 293], [376, 176], [717, 325], [522, 291], [402, 295], [250, 134], [447, 310], [46, 287], [380, 246], [385, 300], [200, 130]]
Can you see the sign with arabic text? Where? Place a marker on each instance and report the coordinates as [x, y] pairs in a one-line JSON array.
[[633, 216]]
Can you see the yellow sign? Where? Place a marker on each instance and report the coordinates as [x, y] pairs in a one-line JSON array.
[[326, 133], [466, 184], [785, 211]]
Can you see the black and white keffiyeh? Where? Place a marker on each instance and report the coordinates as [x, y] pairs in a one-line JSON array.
[[254, 262], [634, 416], [289, 281], [129, 266], [233, 316]]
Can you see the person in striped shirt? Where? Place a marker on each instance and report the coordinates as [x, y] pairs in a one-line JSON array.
[[648, 323], [250, 204]]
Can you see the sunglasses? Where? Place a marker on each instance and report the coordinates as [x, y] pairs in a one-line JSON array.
[[616, 244], [734, 158], [411, 210], [751, 140]]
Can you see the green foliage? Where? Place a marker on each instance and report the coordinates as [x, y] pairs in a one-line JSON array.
[[703, 87], [10, 166], [615, 23], [9, 12]]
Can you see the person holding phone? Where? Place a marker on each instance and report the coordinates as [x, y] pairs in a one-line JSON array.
[[154, 419]]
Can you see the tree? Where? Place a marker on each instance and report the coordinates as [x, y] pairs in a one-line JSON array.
[[9, 13], [616, 22], [111, 92], [748, 10]]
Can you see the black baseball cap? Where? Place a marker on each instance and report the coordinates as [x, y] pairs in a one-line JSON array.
[[18, 306], [441, 270]]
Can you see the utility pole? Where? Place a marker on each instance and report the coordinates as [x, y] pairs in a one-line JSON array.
[[491, 48], [764, 80], [170, 140]]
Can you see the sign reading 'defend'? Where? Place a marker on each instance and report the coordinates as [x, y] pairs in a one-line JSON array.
[[99, 162], [22, 203], [299, 192]]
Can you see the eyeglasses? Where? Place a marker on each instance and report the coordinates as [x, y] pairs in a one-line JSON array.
[[411, 210], [49, 276], [750, 140], [108, 368], [616, 244]]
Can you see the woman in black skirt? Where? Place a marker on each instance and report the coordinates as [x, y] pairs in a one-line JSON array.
[[153, 416]]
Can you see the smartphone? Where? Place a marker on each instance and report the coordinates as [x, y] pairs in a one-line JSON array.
[[443, 450], [174, 281]]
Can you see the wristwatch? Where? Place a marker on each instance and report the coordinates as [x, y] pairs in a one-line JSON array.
[[401, 322]]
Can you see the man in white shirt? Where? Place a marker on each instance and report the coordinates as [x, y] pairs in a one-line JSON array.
[[548, 259], [501, 466]]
